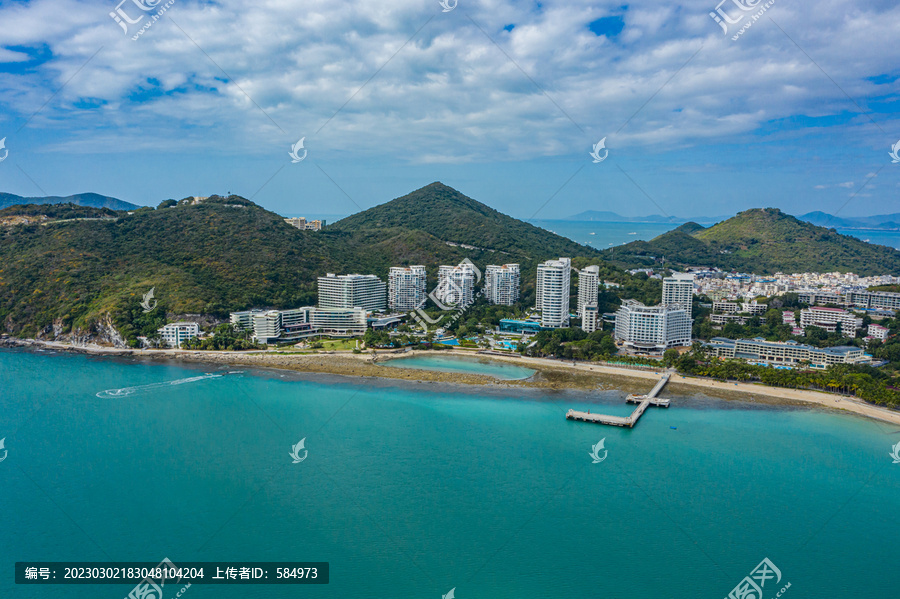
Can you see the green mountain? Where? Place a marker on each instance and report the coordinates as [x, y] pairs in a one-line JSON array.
[[762, 241], [448, 215], [92, 200], [83, 274]]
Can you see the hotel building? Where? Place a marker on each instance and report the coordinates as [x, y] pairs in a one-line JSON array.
[[406, 288], [174, 333], [787, 353], [589, 318], [352, 291], [456, 285], [588, 286], [829, 318], [501, 284], [678, 290], [552, 292], [652, 329]]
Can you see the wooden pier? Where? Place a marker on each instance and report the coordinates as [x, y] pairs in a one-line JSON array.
[[643, 402]]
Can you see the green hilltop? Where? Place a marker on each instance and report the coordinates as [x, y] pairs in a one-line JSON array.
[[763, 241]]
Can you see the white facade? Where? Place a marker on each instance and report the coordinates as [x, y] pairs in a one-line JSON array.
[[339, 322], [652, 328], [406, 287], [456, 285], [352, 291], [588, 286], [876, 331], [552, 292], [501, 284], [244, 319], [828, 318], [678, 290], [176, 332], [589, 314]]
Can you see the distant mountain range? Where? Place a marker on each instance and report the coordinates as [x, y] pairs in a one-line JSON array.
[[881, 221], [821, 219], [612, 217], [762, 241], [92, 200]]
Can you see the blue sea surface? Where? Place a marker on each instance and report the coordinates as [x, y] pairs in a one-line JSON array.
[[412, 489]]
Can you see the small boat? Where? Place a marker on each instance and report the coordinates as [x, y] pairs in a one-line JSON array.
[[633, 233], [593, 233], [674, 428]]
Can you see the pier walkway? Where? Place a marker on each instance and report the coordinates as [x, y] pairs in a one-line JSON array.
[[643, 402]]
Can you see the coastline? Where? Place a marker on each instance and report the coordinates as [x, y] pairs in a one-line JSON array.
[[549, 374]]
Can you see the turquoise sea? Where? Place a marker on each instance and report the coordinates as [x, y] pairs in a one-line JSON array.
[[410, 490]]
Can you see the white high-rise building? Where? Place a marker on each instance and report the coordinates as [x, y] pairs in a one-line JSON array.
[[501, 284], [588, 286], [678, 290], [589, 314], [552, 292], [652, 329], [406, 287], [352, 291], [456, 285]]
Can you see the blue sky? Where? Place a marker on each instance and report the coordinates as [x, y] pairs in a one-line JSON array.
[[502, 100]]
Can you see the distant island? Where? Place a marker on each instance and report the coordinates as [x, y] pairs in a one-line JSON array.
[[884, 222], [91, 200]]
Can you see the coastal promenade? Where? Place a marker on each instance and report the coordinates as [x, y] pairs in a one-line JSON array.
[[643, 401]]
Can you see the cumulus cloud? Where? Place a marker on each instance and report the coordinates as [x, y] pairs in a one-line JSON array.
[[405, 80]]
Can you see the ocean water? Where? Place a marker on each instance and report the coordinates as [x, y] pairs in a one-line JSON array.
[[473, 365], [601, 235], [411, 489]]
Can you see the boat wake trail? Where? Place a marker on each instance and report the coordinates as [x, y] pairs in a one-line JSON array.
[[126, 391]]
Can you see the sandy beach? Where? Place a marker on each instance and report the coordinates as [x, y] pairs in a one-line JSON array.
[[550, 373]]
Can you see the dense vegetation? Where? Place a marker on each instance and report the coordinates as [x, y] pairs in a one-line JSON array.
[[227, 253], [58, 211], [763, 241]]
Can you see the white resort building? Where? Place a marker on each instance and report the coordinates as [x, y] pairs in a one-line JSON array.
[[652, 329], [173, 334], [352, 291], [678, 290], [588, 288], [552, 292], [406, 288], [501, 284], [456, 285]]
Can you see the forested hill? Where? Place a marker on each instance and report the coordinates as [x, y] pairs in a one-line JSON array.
[[65, 271], [762, 241], [446, 214]]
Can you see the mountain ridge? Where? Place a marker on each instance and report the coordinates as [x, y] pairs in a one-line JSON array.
[[89, 199]]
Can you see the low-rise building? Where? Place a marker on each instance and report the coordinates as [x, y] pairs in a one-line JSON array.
[[301, 223], [785, 353], [829, 318], [876, 331], [174, 333]]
